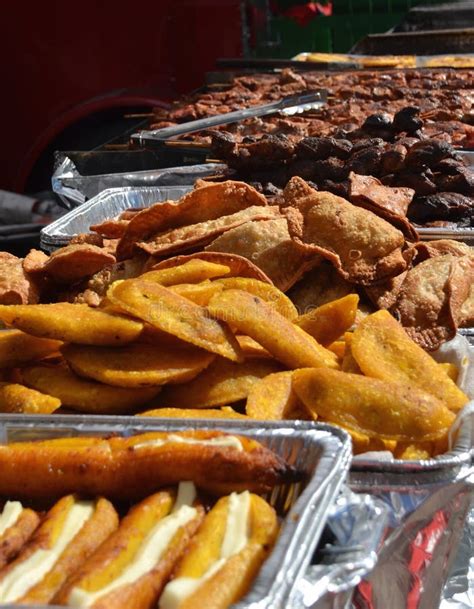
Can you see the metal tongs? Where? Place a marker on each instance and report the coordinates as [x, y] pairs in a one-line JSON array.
[[292, 104]]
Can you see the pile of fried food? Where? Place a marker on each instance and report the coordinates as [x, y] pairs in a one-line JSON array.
[[205, 336], [443, 96], [176, 549], [390, 149]]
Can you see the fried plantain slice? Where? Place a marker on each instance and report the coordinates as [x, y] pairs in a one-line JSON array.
[[75, 323], [15, 398], [199, 293], [134, 467], [225, 555], [386, 410], [384, 351], [133, 565], [86, 395], [70, 533], [137, 365], [329, 321], [273, 399], [17, 525], [257, 319], [174, 314], [223, 382], [17, 348]]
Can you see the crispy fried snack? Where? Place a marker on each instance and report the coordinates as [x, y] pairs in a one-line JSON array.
[[431, 297], [329, 321], [132, 566], [194, 413], [266, 292], [255, 318], [18, 348], [273, 399], [34, 261], [85, 395], [16, 398], [225, 555], [206, 203], [70, 533], [132, 468], [384, 351], [194, 235], [388, 410], [17, 525], [75, 262], [199, 293], [223, 382], [296, 188], [384, 295], [174, 314], [441, 247], [137, 365], [192, 271], [238, 265], [363, 247], [76, 323], [466, 313], [15, 285], [267, 243], [319, 286], [388, 202], [251, 348], [111, 228]]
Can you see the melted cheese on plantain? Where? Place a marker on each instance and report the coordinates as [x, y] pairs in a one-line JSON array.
[[235, 539], [10, 514], [219, 441], [150, 552], [32, 570]]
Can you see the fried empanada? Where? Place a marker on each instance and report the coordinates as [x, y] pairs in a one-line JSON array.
[[137, 365], [267, 243], [238, 265], [363, 247], [431, 297], [383, 350], [318, 287], [167, 311], [255, 318], [72, 263], [86, 395], [200, 205], [15, 285], [194, 235], [75, 323], [388, 410], [223, 382]]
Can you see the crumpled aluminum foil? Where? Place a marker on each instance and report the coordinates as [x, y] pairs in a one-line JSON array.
[[75, 189]]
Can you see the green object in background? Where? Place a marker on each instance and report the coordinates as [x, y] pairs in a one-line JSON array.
[[351, 21]]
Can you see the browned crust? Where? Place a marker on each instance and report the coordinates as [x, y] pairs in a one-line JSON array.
[[15, 537], [75, 262], [113, 468]]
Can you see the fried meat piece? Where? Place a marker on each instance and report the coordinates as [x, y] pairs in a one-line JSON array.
[[449, 206]]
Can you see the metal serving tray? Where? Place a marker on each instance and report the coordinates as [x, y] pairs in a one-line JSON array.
[[320, 451]]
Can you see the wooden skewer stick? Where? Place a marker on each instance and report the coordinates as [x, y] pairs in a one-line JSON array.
[[184, 144]]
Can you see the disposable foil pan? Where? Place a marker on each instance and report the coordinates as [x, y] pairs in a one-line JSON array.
[[107, 204], [320, 451], [75, 189], [457, 234]]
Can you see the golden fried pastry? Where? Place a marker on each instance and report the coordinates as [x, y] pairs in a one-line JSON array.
[[130, 468], [17, 525], [17, 348], [132, 566], [225, 555], [71, 531]]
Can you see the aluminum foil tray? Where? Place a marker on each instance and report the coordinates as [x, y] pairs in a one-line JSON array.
[[107, 204], [320, 451], [457, 234], [75, 189]]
